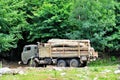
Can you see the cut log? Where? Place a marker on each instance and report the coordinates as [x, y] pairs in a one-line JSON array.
[[69, 52], [66, 40], [66, 44], [69, 48]]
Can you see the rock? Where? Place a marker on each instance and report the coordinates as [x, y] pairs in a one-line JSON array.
[[86, 68], [5, 70], [10, 71], [21, 72], [96, 78], [79, 75], [58, 68], [117, 71], [19, 62], [119, 67], [62, 74], [52, 79], [106, 71]]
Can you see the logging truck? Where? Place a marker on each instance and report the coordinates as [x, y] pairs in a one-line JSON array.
[[60, 52]]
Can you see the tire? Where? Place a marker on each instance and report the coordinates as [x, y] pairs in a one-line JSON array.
[[74, 63], [32, 63], [61, 63]]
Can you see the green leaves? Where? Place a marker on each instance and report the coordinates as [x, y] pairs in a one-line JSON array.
[[12, 23], [50, 20], [96, 20], [40, 20], [7, 42]]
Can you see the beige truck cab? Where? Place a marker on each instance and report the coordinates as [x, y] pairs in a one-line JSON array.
[[29, 51]]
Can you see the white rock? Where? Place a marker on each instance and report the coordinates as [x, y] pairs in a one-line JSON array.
[[5, 70], [19, 62], [62, 74], [117, 71], [58, 68], [119, 67], [106, 71], [79, 75], [21, 72], [10, 71], [95, 78]]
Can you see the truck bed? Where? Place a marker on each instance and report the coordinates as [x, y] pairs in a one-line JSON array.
[[63, 51]]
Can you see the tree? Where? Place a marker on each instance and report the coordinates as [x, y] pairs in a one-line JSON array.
[[95, 20], [24, 21], [12, 23], [49, 19], [29, 21]]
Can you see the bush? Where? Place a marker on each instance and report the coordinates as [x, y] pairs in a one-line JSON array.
[[105, 62]]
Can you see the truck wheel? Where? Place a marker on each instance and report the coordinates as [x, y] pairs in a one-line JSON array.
[[61, 63], [74, 63], [32, 63]]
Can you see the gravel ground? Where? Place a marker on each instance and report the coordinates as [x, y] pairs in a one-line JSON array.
[[12, 64]]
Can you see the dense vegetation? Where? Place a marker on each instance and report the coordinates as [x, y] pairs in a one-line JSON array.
[[29, 21]]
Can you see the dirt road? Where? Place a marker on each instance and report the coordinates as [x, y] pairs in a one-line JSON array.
[[11, 64]]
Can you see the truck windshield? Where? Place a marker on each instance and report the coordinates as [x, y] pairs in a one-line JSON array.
[[27, 48]]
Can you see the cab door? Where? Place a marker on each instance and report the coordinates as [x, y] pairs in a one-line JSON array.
[[26, 54]]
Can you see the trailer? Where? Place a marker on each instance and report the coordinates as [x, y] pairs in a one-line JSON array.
[[60, 52]]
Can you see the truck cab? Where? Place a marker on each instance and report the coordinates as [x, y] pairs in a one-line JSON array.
[[29, 51]]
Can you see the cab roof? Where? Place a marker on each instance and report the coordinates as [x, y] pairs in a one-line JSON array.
[[32, 45]]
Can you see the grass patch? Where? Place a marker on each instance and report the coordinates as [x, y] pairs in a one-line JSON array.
[[105, 62], [97, 70], [86, 73]]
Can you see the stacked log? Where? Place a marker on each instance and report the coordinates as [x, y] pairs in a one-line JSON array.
[[69, 46], [66, 40]]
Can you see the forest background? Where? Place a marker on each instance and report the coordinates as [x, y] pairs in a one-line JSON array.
[[29, 21]]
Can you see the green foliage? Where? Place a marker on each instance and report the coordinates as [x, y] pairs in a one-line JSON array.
[[107, 61], [113, 58], [49, 20], [40, 20], [12, 23], [96, 20], [7, 42]]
